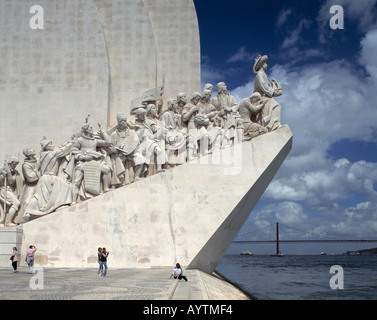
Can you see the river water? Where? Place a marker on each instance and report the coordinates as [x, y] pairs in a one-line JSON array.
[[303, 277]]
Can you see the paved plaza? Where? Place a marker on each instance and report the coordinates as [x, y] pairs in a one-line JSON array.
[[120, 284]]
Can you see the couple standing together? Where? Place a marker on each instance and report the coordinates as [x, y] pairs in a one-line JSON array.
[[102, 261]]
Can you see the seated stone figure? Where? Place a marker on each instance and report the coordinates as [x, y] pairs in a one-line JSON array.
[[271, 111], [11, 184], [250, 110], [90, 163], [52, 191], [128, 163]]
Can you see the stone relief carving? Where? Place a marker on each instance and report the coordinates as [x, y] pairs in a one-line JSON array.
[[152, 141]]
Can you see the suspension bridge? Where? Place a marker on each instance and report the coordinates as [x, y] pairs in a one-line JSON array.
[[279, 233]]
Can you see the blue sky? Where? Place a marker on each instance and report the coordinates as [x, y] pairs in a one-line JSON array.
[[328, 183]]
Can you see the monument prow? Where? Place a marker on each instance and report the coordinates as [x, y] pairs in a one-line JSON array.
[[190, 213]]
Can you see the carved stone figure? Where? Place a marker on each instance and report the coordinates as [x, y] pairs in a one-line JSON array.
[[209, 87], [31, 175], [90, 163], [175, 136], [195, 134], [205, 104], [146, 129], [181, 102], [271, 111], [11, 189], [250, 110], [52, 191], [128, 163], [228, 104]]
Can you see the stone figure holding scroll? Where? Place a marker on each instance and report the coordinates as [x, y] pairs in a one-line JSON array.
[[52, 191], [271, 111]]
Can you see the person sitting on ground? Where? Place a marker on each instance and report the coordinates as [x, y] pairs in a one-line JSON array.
[[178, 273]]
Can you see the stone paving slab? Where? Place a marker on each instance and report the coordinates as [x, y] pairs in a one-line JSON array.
[[120, 284]]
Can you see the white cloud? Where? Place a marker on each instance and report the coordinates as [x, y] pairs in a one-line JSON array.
[[242, 55], [294, 35], [327, 186], [283, 17], [369, 54], [290, 213]]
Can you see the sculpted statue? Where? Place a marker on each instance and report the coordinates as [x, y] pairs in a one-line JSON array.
[[90, 163], [30, 171], [205, 104], [181, 102], [271, 111], [52, 191], [228, 105], [251, 114], [195, 133], [209, 87], [127, 161], [175, 136], [11, 184], [146, 129]]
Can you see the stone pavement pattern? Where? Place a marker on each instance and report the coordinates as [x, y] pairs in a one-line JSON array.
[[120, 284]]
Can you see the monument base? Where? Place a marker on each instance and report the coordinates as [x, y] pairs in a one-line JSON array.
[[9, 238], [188, 214]]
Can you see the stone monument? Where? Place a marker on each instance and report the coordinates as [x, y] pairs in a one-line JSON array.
[[155, 185]]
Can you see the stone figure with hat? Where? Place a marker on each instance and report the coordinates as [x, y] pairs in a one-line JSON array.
[[268, 90]]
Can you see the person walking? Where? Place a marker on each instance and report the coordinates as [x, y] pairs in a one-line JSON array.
[[104, 256], [100, 264], [14, 259], [178, 273], [30, 257]]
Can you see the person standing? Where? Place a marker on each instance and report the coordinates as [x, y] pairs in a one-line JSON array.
[[100, 267], [30, 257], [14, 259], [104, 256]]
